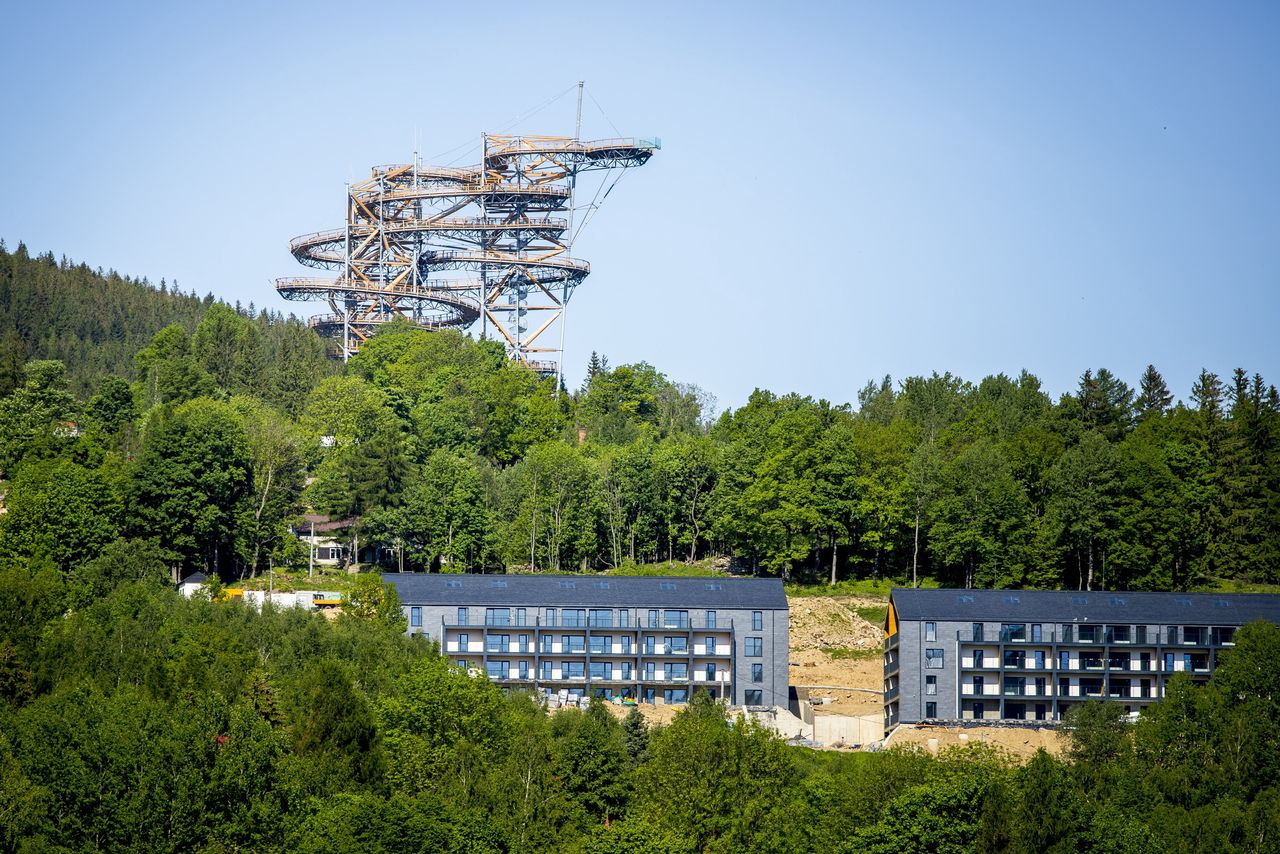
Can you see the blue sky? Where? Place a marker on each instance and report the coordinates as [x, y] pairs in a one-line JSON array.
[[844, 191]]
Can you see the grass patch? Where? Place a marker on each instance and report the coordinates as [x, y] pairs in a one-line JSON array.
[[840, 653], [1231, 585], [700, 568], [874, 616]]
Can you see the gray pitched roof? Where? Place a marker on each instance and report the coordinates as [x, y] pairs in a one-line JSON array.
[[586, 591], [195, 578], [1068, 606]]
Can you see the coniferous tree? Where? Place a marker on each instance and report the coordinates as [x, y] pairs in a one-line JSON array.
[[1154, 396]]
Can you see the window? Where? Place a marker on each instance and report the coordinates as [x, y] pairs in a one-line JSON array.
[[415, 617], [1192, 635], [677, 645], [626, 670], [573, 617], [675, 671], [931, 632], [1039, 659], [1119, 634], [497, 643], [1171, 634], [1066, 633], [462, 616], [713, 585], [464, 642], [600, 618], [1010, 599], [931, 685], [1014, 686], [626, 644], [1088, 634], [601, 670], [933, 658], [668, 586], [965, 598], [499, 669], [546, 643], [1015, 659], [979, 658], [979, 684], [497, 583], [1141, 634], [462, 663], [649, 669], [1064, 660], [1037, 633], [624, 618], [573, 669], [573, 643], [753, 697], [497, 616], [977, 632], [979, 709], [711, 672], [711, 646], [931, 710], [653, 619], [675, 619], [757, 672], [523, 641], [599, 645], [1168, 662], [1013, 632], [650, 643], [524, 670], [546, 670], [451, 582], [600, 585], [1042, 686], [520, 617], [757, 621], [567, 585], [754, 647], [675, 695], [711, 619]]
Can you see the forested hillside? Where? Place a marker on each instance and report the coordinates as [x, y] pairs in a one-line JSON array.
[[450, 457], [141, 721]]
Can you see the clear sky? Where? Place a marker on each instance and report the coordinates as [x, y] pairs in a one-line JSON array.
[[844, 190]]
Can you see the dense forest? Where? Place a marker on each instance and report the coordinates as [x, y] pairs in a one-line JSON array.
[[226, 424], [147, 433], [141, 721]]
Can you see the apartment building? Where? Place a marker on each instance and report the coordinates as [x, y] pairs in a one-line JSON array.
[[648, 638], [1032, 654]]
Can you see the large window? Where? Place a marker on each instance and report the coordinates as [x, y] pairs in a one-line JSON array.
[[462, 616], [979, 658], [711, 619], [757, 672], [931, 684], [546, 670], [757, 621], [497, 616], [1013, 632], [933, 658], [573, 617], [1015, 658], [711, 672], [415, 617], [675, 695], [499, 669], [674, 671], [653, 619], [753, 697], [650, 644], [931, 632], [601, 618], [676, 645], [977, 632], [464, 642], [573, 644], [520, 617], [930, 710], [754, 647], [1088, 634], [600, 645], [649, 670], [626, 644], [523, 642], [547, 640], [675, 619], [497, 643], [573, 669], [710, 646], [601, 670], [626, 670], [524, 670]]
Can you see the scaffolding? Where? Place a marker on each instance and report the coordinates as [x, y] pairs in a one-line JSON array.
[[506, 223]]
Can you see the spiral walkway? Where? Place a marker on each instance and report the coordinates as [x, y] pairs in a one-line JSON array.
[[507, 222]]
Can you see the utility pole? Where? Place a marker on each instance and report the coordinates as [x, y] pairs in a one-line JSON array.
[[311, 550]]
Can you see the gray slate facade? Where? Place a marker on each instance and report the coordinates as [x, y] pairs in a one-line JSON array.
[[1032, 654], [648, 638]]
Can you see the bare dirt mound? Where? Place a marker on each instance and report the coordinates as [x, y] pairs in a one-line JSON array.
[[820, 622], [1022, 742]]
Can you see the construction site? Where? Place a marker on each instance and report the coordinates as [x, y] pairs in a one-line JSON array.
[[506, 224]]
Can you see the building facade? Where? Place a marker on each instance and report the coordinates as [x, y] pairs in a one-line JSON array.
[[1032, 654], [647, 638]]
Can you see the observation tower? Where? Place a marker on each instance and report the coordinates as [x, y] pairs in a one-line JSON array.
[[447, 247]]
